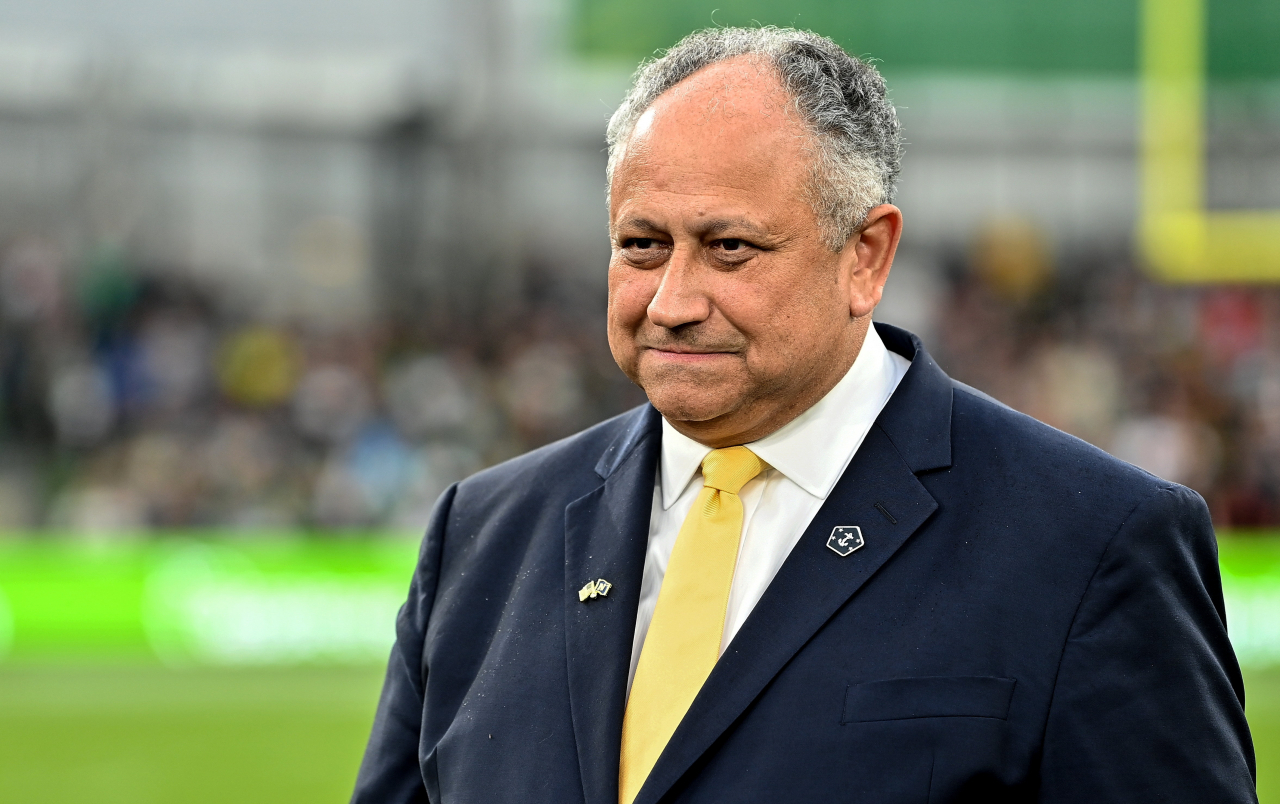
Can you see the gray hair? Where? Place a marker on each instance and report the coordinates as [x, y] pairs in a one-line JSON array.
[[841, 99]]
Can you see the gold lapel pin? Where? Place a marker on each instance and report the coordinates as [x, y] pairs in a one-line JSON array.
[[599, 588]]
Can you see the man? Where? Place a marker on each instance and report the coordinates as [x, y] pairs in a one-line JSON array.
[[814, 568]]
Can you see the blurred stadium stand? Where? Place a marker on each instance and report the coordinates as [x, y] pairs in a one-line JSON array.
[[269, 266]]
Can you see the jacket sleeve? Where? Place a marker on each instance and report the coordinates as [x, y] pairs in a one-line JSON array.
[[390, 773], [1149, 703]]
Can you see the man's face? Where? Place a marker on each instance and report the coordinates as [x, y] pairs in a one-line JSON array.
[[724, 303]]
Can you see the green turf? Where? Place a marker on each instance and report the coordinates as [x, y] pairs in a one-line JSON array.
[[1262, 705], [147, 735]]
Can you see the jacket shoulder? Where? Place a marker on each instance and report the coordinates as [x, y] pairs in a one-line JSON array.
[[562, 469], [988, 430]]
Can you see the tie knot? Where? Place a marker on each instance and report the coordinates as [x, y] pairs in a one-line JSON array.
[[730, 468]]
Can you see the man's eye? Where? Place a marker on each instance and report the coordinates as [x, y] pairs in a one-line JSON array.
[[732, 244], [641, 243]]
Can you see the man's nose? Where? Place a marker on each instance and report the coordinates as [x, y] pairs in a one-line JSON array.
[[680, 299]]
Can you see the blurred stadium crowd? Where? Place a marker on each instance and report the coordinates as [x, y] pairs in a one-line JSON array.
[[269, 270], [134, 399]]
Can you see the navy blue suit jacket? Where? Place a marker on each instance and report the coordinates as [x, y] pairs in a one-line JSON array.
[[1030, 620]]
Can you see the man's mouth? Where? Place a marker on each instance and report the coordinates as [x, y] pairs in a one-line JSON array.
[[685, 354]]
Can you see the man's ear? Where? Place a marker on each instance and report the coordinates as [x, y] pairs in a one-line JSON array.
[[868, 256]]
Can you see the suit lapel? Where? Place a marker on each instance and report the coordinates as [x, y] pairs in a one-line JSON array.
[[814, 582], [606, 536]]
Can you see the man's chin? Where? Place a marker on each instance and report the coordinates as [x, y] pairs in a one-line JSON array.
[[690, 403]]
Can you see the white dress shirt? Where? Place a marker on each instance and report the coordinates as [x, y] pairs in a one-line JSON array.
[[804, 460]]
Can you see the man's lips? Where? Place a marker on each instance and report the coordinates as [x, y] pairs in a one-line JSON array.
[[677, 354]]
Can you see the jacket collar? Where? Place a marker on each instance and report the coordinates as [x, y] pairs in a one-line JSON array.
[[644, 423], [917, 418], [606, 537]]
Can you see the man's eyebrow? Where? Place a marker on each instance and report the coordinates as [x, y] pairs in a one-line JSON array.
[[716, 226], [707, 228], [642, 224]]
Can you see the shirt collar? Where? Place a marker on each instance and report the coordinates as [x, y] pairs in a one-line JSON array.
[[814, 448]]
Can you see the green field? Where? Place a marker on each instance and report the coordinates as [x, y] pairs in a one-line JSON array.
[[1262, 705], [147, 735], [194, 671]]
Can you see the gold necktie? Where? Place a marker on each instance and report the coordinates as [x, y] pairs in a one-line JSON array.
[[683, 642]]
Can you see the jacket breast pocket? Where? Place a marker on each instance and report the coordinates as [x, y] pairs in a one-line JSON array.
[[934, 696]]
